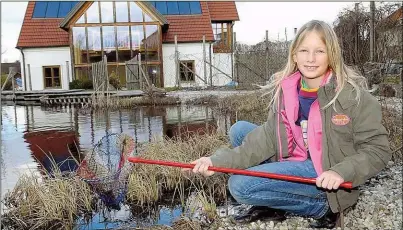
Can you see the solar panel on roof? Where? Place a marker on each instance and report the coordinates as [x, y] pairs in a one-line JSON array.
[[161, 7], [73, 4], [172, 8], [184, 7], [53, 9], [64, 9], [195, 8], [177, 7], [40, 9]]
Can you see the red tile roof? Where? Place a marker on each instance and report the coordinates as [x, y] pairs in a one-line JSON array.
[[41, 32], [223, 11], [189, 28]]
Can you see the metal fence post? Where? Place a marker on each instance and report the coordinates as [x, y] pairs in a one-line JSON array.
[[236, 60], [29, 77], [267, 55], [204, 60], [178, 80]]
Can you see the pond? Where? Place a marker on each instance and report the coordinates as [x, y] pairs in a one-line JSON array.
[[28, 132]]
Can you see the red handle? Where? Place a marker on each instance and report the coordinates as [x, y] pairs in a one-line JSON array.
[[347, 185]]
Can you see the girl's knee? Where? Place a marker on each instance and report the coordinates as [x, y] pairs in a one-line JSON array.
[[238, 131], [237, 127], [236, 184]]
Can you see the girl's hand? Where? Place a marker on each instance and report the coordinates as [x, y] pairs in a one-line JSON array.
[[201, 166], [329, 180]]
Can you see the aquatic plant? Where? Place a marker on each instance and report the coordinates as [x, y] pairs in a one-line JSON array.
[[50, 201], [148, 183]]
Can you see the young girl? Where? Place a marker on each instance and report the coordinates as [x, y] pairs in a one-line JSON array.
[[323, 124]]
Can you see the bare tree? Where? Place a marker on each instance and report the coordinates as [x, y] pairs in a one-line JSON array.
[[353, 29]]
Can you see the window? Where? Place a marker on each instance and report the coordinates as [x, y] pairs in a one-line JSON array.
[[107, 12], [51, 75], [122, 12], [93, 13], [186, 70], [52, 9], [136, 14], [222, 36], [177, 7]]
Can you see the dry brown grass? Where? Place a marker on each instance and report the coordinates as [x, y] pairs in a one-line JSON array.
[[250, 107], [392, 121], [116, 102], [211, 100], [185, 223], [148, 183], [54, 203]]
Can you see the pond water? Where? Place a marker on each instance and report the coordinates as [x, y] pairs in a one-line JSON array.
[[29, 131]]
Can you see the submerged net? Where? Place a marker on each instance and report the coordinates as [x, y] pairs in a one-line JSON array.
[[106, 168]]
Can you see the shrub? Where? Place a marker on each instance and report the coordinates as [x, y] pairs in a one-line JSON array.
[[81, 84], [87, 84], [9, 85], [115, 81]]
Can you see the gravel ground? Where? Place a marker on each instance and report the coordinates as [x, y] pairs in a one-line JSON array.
[[379, 207], [392, 102]]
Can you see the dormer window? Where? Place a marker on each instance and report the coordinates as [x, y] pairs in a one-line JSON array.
[[223, 36]]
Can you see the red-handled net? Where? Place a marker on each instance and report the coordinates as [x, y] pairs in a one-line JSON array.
[[106, 168]]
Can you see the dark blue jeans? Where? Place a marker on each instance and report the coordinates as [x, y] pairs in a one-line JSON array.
[[297, 198]]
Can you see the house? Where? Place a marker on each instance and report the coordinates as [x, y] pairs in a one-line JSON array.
[[59, 41], [5, 67]]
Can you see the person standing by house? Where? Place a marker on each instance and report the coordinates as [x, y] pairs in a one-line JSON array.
[[323, 123]]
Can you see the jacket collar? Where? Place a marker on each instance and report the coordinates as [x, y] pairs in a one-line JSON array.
[[293, 79], [346, 97]]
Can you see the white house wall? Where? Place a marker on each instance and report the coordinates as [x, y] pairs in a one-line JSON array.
[[40, 57], [194, 51], [223, 62]]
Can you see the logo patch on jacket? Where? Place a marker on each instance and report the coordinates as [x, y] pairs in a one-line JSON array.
[[340, 119]]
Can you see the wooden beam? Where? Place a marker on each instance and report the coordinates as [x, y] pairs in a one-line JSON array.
[[219, 70], [79, 13]]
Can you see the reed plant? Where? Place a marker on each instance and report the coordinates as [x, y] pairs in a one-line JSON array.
[[149, 183], [102, 102], [53, 200]]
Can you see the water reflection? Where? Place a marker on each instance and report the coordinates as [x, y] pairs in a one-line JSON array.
[[54, 148], [32, 133]]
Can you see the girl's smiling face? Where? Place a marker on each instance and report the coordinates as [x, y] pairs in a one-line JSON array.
[[311, 56]]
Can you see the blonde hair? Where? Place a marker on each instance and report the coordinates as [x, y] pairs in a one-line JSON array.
[[343, 72]]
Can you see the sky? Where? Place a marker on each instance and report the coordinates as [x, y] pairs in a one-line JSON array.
[[255, 19]]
